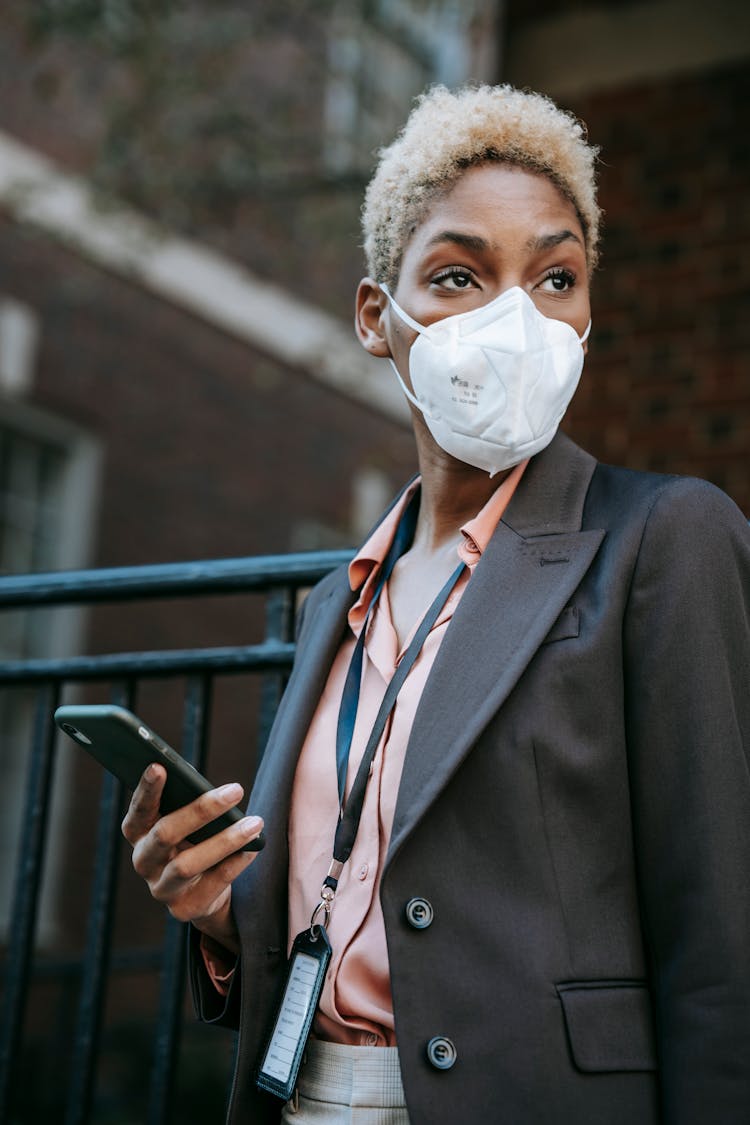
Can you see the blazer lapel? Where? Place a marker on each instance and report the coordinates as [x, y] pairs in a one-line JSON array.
[[265, 882], [324, 631], [528, 573]]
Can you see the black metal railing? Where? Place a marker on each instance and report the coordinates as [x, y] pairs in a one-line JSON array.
[[278, 579]]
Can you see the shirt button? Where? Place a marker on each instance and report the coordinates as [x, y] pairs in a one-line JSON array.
[[362, 874], [419, 913], [441, 1053]]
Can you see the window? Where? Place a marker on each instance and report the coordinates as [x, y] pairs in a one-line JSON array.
[[48, 478], [31, 479], [382, 53]]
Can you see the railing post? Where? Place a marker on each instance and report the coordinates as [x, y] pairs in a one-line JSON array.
[[98, 946], [26, 892], [174, 950]]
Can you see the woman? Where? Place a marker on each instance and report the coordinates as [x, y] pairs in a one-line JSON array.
[[541, 912]]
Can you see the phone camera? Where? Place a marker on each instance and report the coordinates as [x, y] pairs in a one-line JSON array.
[[75, 733]]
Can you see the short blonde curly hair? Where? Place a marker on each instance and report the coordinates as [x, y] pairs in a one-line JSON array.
[[449, 131]]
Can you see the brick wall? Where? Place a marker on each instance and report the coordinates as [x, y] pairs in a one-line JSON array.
[[199, 430], [667, 382]]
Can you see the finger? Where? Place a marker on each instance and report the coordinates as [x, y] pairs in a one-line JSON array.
[[143, 810], [169, 832], [186, 866], [200, 900]]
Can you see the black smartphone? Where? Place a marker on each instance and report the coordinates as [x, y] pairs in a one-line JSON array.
[[125, 745]]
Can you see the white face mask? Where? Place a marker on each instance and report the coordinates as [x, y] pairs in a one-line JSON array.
[[493, 383]]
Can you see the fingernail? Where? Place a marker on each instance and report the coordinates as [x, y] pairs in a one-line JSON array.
[[231, 790], [150, 774], [251, 824]]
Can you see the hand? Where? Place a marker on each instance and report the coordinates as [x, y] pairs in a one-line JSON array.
[[194, 881]]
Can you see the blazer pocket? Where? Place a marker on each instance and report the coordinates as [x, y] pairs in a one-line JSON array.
[[609, 1025], [566, 626]]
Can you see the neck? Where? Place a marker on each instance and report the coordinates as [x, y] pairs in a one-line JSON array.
[[452, 493]]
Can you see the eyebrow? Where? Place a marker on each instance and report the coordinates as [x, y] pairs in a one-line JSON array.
[[537, 243], [470, 241], [544, 242]]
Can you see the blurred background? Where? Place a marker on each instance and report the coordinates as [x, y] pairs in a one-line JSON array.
[[180, 184]]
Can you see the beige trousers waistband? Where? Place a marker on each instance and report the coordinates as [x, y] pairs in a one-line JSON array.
[[342, 1085]]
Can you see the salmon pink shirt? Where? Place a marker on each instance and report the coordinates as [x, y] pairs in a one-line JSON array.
[[356, 1006]]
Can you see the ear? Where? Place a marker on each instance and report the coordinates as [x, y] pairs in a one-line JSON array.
[[369, 318]]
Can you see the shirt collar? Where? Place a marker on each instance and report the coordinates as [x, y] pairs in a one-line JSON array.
[[365, 566], [477, 532]]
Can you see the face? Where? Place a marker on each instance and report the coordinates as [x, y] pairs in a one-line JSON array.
[[499, 226]]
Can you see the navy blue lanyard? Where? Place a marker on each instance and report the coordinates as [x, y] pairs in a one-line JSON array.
[[351, 811], [402, 541]]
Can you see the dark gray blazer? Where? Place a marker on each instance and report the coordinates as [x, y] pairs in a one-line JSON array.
[[575, 806]]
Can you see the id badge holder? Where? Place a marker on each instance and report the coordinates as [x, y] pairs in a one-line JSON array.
[[308, 964]]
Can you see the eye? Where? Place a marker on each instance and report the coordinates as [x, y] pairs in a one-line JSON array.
[[453, 278], [558, 281]]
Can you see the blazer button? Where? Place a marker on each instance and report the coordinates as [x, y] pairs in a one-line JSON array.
[[419, 913], [441, 1052]]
